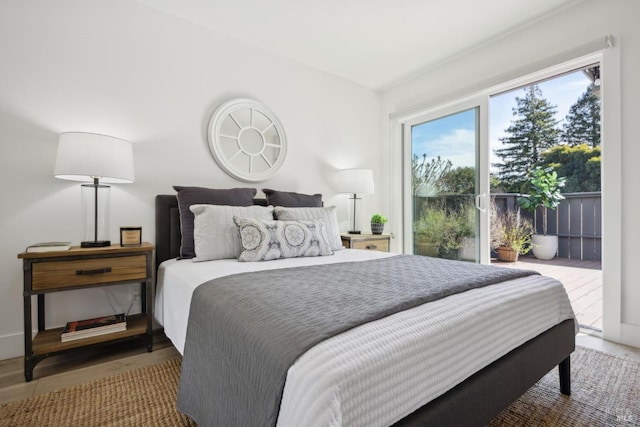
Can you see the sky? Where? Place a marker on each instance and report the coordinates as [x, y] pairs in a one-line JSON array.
[[453, 137]]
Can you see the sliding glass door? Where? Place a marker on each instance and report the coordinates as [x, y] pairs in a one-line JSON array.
[[446, 184]]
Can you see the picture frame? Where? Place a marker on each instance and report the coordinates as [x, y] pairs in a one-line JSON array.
[[130, 236]]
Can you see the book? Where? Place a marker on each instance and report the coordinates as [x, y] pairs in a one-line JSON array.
[[91, 334], [49, 247], [79, 329]]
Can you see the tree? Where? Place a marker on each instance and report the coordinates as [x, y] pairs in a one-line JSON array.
[[532, 132], [461, 180], [580, 165], [426, 175], [582, 124]]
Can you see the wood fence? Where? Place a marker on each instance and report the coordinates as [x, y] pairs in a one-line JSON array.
[[577, 222]]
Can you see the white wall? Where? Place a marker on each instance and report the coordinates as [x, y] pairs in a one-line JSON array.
[[490, 64], [123, 69]]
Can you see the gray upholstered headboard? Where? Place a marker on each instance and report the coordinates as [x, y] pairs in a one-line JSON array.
[[168, 235], [167, 228]]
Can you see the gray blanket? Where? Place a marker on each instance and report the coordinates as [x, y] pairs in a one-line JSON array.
[[246, 330]]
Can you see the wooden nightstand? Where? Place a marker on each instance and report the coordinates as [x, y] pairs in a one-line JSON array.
[[374, 242], [80, 268]]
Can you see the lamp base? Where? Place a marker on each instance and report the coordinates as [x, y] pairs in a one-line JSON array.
[[95, 244], [354, 232]]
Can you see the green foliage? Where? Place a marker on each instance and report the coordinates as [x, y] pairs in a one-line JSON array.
[[426, 176], [511, 230], [446, 227], [432, 224], [532, 132], [378, 219], [437, 176], [495, 185], [545, 189], [580, 165], [582, 124], [544, 192], [533, 141], [461, 180]]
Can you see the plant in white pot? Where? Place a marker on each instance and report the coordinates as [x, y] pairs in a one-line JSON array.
[[544, 193]]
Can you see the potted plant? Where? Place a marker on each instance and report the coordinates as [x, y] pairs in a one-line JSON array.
[[377, 223], [429, 231], [545, 187], [460, 227], [510, 234], [445, 233], [467, 232]]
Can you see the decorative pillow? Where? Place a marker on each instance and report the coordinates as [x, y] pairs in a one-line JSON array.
[[327, 215], [292, 200], [188, 196], [267, 240], [215, 234]]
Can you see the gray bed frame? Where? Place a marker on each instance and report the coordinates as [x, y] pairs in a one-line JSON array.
[[475, 401]]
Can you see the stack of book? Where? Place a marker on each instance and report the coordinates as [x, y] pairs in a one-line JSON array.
[[80, 329]]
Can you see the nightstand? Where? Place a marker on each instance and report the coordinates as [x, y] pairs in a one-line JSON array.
[[373, 242], [80, 268]]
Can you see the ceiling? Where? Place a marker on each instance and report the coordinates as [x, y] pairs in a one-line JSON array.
[[375, 43]]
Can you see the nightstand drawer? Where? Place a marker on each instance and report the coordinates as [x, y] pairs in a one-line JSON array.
[[371, 244], [63, 274]]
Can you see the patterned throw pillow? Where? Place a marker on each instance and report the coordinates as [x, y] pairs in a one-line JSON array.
[[263, 240], [327, 215]]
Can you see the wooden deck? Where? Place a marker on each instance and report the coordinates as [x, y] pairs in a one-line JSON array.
[[581, 279]]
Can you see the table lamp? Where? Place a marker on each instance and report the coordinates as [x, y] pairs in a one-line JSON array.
[[355, 181], [99, 159]]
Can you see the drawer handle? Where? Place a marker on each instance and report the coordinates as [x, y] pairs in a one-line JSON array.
[[91, 272], [373, 247]]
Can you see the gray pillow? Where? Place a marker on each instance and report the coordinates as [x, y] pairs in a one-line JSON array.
[[327, 215], [292, 200], [266, 240], [188, 196], [215, 234]]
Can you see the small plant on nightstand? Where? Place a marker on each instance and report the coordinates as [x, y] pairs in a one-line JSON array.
[[377, 223]]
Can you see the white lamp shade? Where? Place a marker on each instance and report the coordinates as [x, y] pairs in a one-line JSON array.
[[84, 156], [355, 181]]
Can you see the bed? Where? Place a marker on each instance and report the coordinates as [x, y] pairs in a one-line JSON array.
[[473, 400]]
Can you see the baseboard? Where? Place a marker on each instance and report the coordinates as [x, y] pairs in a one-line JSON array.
[[11, 346]]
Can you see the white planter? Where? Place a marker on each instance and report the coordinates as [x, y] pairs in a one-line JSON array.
[[544, 247], [468, 249]]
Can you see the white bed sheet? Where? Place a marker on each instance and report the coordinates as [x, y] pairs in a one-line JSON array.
[[177, 279], [378, 373]]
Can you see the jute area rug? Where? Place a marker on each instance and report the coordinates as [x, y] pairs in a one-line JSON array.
[[606, 392]]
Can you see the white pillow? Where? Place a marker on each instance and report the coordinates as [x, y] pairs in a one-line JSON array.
[[215, 235], [327, 215], [268, 240]]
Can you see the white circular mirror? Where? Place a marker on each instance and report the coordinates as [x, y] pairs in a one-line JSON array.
[[247, 140]]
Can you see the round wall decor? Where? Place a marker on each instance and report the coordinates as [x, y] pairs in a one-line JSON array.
[[247, 140]]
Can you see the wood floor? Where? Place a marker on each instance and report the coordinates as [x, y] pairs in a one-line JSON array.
[[63, 371]]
